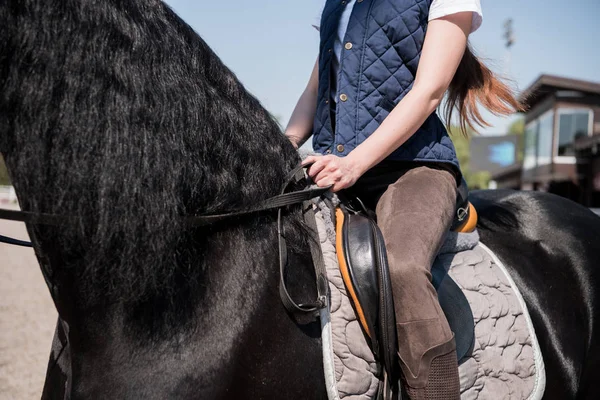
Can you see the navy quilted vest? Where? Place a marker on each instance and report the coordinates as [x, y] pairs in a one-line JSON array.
[[378, 66]]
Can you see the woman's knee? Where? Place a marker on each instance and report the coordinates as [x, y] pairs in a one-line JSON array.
[[410, 273]]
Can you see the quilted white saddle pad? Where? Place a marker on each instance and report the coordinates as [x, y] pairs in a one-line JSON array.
[[506, 362]]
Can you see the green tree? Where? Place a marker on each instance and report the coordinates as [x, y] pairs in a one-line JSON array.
[[518, 128], [4, 179], [475, 180]]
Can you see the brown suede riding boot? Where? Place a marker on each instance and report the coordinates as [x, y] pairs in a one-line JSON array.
[[414, 214], [414, 208], [437, 378]]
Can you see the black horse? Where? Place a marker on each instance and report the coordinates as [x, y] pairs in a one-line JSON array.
[[116, 115]]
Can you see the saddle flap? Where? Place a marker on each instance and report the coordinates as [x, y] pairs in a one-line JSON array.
[[356, 255], [364, 268], [363, 264]]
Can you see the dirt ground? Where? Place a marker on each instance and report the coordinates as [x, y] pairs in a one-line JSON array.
[[27, 318]]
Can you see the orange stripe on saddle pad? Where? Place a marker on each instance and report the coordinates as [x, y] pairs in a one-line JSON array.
[[339, 247]]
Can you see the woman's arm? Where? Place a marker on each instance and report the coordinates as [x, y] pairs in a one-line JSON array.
[[301, 122], [444, 46]]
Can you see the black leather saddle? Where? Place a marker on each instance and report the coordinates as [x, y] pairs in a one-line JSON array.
[[363, 264]]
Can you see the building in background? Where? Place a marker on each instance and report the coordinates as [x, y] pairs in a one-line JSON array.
[[560, 111], [560, 140], [587, 153]]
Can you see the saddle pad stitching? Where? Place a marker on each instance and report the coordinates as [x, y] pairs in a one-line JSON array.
[[327, 347], [468, 268], [540, 378]]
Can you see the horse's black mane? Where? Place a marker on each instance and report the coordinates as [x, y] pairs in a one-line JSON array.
[[118, 113]]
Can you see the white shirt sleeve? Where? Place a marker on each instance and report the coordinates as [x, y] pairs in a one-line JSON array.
[[441, 8]]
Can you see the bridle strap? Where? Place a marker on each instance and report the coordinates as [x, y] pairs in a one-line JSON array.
[[308, 309], [32, 218], [14, 242], [29, 218], [277, 202], [272, 203]]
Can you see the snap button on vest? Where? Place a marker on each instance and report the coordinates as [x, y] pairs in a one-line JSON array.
[[348, 46], [340, 148], [343, 97]]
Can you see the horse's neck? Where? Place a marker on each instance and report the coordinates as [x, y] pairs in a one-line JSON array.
[[238, 318], [268, 354], [240, 342]]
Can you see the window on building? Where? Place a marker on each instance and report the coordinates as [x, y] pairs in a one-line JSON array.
[[572, 125], [529, 157], [544, 141]]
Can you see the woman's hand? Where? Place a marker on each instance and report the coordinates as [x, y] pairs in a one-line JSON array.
[[341, 172]]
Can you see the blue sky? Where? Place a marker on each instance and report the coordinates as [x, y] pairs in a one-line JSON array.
[[271, 45]]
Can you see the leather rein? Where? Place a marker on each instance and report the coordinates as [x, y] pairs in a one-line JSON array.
[[277, 202]]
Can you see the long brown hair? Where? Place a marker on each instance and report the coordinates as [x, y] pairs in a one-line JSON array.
[[474, 84]]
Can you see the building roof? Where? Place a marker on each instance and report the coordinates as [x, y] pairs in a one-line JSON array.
[[547, 84]]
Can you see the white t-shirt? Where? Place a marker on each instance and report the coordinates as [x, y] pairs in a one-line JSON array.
[[442, 8], [438, 9]]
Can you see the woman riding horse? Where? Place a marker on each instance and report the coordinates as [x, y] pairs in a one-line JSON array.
[[118, 117], [376, 127]]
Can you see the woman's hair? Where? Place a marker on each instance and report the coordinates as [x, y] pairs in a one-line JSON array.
[[475, 83]]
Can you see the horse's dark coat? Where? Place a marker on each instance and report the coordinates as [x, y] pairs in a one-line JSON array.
[[118, 113], [551, 246]]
